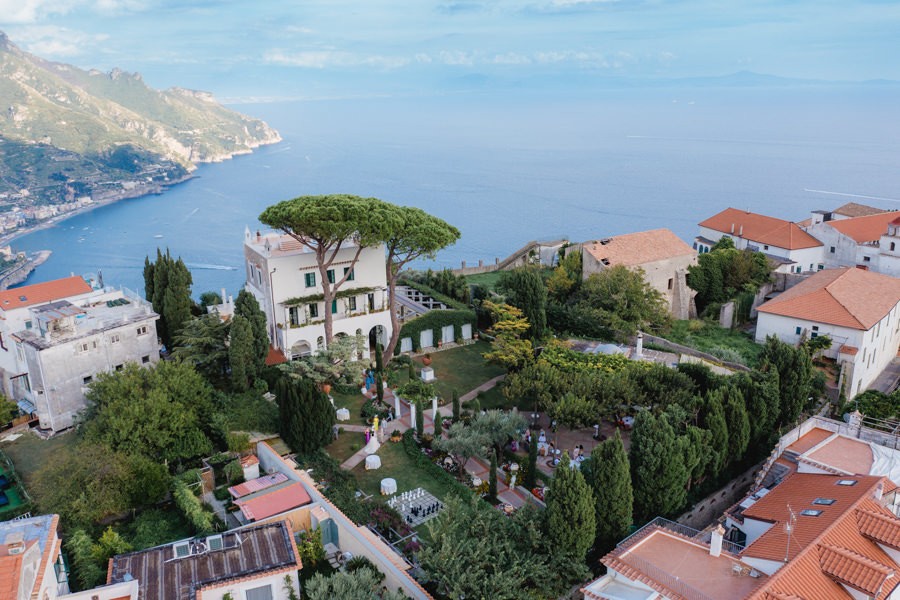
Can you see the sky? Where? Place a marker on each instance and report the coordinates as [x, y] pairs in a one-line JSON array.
[[274, 49]]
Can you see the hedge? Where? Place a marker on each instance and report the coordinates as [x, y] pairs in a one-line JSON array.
[[436, 320], [192, 509]]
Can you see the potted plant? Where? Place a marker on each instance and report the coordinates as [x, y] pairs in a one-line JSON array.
[[426, 360]]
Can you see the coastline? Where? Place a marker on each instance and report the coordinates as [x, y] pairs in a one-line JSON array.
[[137, 192]]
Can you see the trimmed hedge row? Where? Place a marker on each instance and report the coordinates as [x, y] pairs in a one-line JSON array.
[[436, 320]]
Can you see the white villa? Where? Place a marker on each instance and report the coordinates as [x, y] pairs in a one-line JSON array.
[[785, 243], [283, 276], [857, 309], [55, 337]]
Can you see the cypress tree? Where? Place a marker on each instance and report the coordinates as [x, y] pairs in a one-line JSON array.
[[412, 372], [420, 420], [379, 360], [610, 480], [306, 415], [525, 289], [531, 472], [738, 424], [794, 368], [379, 387], [571, 521], [714, 422], [438, 426], [240, 354], [492, 476], [455, 406], [658, 474], [167, 284], [245, 305]]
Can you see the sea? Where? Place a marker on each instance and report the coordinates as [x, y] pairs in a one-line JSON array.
[[511, 166]]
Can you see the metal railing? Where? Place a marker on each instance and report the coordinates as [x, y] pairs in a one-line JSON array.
[[701, 537]]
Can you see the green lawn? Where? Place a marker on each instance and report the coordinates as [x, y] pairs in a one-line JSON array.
[[29, 453], [397, 464], [485, 280], [726, 344], [347, 444], [461, 369]]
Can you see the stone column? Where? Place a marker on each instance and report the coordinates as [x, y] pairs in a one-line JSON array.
[[396, 406], [412, 416], [434, 411]]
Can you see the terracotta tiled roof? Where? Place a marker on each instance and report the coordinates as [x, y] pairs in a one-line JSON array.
[[849, 350], [797, 493], [879, 527], [633, 249], [810, 439], [274, 502], [275, 357], [10, 571], [854, 570], [845, 297], [761, 229], [852, 209], [865, 229], [43, 292], [845, 454]]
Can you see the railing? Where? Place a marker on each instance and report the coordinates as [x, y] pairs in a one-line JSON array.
[[701, 537]]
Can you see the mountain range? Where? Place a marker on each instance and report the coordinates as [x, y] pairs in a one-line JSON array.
[[66, 132]]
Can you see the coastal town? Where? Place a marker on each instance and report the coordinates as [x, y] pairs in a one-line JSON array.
[[633, 416]]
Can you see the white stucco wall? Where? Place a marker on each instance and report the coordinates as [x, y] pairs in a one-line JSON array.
[[877, 346], [238, 590], [57, 373], [808, 259], [275, 277]]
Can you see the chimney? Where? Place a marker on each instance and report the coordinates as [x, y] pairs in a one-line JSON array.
[[15, 542], [715, 542], [223, 295], [639, 346], [741, 233], [879, 490]]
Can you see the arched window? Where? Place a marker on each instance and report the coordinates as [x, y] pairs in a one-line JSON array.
[[893, 246], [320, 343]]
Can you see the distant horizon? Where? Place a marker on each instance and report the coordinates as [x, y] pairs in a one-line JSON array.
[[320, 49]]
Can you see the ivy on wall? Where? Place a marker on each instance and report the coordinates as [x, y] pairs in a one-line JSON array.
[[436, 320]]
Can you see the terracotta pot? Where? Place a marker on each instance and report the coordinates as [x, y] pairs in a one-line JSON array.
[[426, 360], [326, 387]]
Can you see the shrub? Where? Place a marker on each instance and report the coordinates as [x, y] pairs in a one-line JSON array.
[[234, 472], [221, 493], [192, 509], [370, 410]]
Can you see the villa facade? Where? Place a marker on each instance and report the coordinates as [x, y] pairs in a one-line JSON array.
[[283, 276]]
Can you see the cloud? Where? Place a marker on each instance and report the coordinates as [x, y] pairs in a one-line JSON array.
[[323, 59], [29, 11], [50, 41]]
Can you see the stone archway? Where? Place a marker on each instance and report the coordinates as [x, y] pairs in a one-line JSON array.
[[301, 348], [377, 335]]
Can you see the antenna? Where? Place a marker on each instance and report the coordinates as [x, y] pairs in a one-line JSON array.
[[789, 529]]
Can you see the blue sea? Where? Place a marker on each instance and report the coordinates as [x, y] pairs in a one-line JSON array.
[[510, 167]]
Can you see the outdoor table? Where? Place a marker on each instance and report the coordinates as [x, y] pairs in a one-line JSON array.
[[388, 486], [343, 414], [373, 461]]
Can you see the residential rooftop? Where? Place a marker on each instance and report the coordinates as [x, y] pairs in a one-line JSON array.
[[40, 293], [178, 571], [761, 229], [867, 229], [853, 209], [678, 566], [845, 297], [634, 249], [63, 321], [35, 530], [273, 500]]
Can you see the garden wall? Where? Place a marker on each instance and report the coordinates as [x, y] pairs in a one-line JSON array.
[[708, 510]]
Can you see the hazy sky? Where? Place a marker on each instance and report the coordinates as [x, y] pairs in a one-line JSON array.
[[317, 48]]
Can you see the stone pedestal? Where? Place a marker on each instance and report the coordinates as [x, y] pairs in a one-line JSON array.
[[427, 374], [434, 409], [412, 416], [397, 413]]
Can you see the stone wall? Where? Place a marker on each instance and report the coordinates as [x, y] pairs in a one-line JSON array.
[[708, 510]]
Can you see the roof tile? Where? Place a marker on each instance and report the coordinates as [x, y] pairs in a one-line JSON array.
[[39, 293], [855, 570], [634, 249], [845, 297], [761, 229], [865, 229]]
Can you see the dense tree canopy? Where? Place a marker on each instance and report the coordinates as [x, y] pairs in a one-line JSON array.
[[571, 520], [203, 343], [162, 413], [510, 347], [245, 305], [167, 286], [524, 288], [306, 416], [621, 299], [609, 477], [725, 271], [658, 472]]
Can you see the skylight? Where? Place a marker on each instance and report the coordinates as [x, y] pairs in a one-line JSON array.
[[846, 482], [810, 512], [824, 501]]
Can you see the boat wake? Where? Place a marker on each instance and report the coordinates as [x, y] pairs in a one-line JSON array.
[[207, 267]]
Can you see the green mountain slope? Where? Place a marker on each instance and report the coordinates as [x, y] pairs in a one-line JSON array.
[[69, 136]]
